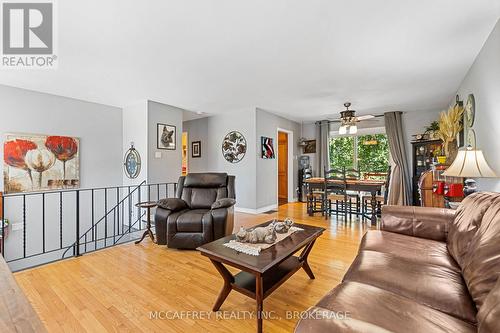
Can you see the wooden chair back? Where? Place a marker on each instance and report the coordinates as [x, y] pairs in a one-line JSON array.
[[352, 174], [338, 175]]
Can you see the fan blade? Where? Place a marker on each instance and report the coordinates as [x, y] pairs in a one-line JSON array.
[[366, 117]]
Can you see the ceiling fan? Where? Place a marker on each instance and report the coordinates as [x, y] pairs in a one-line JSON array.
[[348, 120]]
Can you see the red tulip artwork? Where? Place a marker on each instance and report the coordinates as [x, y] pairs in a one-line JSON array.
[[64, 149], [14, 154], [25, 154]]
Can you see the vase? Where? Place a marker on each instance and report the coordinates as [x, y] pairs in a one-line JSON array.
[[452, 152]]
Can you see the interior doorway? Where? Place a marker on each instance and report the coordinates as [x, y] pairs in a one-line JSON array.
[[282, 168], [184, 153]]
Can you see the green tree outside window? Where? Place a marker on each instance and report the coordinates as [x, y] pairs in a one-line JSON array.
[[368, 153]]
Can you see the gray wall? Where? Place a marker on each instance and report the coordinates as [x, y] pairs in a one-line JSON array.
[[135, 127], [309, 133], [99, 128], [168, 167], [483, 80], [245, 170], [415, 122], [197, 131], [256, 178], [267, 124], [212, 131]]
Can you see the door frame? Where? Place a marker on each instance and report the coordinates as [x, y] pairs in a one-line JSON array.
[[290, 164]]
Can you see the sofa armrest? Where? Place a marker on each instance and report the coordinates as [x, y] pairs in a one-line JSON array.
[[223, 203], [423, 222], [173, 204]]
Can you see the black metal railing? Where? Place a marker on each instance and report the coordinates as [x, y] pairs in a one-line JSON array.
[[54, 225]]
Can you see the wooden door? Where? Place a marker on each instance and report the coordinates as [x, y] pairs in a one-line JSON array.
[[282, 168]]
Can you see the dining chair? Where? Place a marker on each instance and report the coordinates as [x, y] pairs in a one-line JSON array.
[[335, 188], [354, 174], [380, 200], [315, 200]]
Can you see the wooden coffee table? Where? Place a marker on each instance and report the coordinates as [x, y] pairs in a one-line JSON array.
[[261, 275]]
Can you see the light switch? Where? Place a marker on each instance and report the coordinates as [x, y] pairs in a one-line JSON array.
[[158, 154]]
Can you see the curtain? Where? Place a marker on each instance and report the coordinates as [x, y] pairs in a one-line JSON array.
[[400, 183], [322, 147]]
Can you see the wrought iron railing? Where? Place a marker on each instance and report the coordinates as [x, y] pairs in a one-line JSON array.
[[54, 225]]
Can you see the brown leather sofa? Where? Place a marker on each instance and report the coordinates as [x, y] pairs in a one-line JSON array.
[[202, 211], [426, 270]]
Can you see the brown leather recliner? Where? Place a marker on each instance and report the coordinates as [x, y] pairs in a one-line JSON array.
[[202, 211], [426, 270]]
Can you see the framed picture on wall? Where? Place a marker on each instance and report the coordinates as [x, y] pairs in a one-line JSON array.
[[310, 147], [196, 149], [267, 147], [35, 162], [166, 137]]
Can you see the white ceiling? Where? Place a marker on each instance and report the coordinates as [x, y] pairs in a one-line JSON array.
[[298, 58]]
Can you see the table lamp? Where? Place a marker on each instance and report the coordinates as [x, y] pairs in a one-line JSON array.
[[470, 163]]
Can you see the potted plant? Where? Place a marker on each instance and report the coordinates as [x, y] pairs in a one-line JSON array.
[[449, 128], [433, 129]]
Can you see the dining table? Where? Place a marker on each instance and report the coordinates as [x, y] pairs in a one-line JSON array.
[[358, 185]]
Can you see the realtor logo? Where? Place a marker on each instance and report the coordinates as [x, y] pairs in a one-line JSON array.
[[28, 34]]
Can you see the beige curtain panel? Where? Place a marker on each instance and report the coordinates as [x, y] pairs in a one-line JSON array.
[[322, 147], [400, 183]]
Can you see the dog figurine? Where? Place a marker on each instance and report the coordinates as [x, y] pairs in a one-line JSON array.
[[282, 227], [257, 235]]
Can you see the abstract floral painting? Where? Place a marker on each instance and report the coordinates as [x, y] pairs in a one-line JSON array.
[[40, 162], [267, 147]]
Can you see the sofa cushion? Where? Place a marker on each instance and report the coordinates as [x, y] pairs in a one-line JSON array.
[[435, 286], [488, 317], [190, 220], [481, 263], [467, 221], [357, 307], [418, 250]]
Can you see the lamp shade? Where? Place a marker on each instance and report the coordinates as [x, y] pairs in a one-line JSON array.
[[470, 163]]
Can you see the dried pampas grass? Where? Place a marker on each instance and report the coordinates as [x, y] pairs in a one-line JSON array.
[[450, 126]]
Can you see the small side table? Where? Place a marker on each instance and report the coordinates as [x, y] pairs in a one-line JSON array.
[[148, 205]]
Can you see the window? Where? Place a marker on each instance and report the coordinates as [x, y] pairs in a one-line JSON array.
[[368, 153]]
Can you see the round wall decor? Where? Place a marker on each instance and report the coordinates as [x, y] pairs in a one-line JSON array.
[[132, 162], [234, 147], [470, 110]]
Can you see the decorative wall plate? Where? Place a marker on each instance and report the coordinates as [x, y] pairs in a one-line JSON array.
[[471, 139], [234, 147], [132, 163], [470, 110]]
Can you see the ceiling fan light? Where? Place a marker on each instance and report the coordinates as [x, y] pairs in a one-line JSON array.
[[353, 129], [343, 130]]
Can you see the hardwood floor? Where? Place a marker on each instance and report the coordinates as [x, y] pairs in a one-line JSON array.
[[117, 289]]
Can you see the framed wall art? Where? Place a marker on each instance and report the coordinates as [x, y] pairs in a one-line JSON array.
[[196, 149], [267, 148], [34, 162], [166, 137], [310, 147]]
